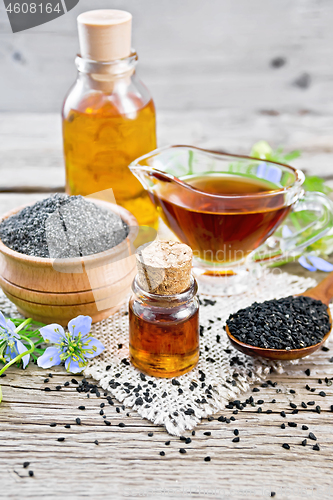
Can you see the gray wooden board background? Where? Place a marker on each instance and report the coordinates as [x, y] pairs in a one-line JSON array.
[[194, 54]]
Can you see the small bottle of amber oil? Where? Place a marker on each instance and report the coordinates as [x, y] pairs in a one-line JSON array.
[[164, 311]]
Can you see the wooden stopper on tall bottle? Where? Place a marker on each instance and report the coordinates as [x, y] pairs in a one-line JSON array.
[[164, 267], [105, 35]]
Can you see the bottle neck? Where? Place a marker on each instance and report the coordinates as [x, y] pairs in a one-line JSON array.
[[153, 299], [104, 75]]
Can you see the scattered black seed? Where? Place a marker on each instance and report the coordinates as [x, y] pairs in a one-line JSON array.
[[292, 391], [167, 443], [273, 493], [325, 349], [232, 419], [96, 441], [312, 436], [121, 424], [236, 439], [292, 405], [82, 407], [236, 432], [260, 402], [101, 412], [207, 459], [303, 405], [303, 81], [255, 389], [58, 387], [175, 382], [107, 422], [318, 409], [269, 412], [47, 389], [292, 424], [46, 380], [307, 372], [283, 426], [304, 442], [294, 412], [66, 384], [31, 473], [61, 440], [188, 440], [210, 419], [78, 421], [162, 453], [259, 409], [305, 428], [26, 464], [53, 424], [67, 426], [193, 433], [316, 447], [182, 450], [278, 62], [207, 433], [322, 394], [281, 324], [150, 434], [286, 446], [331, 407], [311, 403], [283, 413]]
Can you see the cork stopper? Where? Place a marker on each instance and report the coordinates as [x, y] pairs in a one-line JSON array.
[[164, 267], [105, 35]]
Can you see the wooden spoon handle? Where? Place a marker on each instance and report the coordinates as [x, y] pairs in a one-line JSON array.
[[323, 291]]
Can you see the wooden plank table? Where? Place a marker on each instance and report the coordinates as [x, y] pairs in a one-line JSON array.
[[126, 463]]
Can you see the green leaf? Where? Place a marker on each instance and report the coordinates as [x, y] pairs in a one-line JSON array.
[[315, 183]]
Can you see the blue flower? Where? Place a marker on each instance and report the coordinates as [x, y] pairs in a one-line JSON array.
[[11, 341], [316, 263], [73, 347]]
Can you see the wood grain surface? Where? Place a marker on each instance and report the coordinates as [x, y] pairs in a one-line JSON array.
[[126, 463], [194, 54]]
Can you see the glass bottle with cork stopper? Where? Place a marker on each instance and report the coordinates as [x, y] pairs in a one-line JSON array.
[[164, 311], [108, 115]]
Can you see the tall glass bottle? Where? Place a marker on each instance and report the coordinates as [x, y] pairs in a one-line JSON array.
[[108, 115]]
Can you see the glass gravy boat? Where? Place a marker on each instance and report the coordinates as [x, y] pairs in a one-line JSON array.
[[225, 207]]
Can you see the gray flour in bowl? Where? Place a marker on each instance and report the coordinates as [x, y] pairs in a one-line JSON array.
[[63, 226]]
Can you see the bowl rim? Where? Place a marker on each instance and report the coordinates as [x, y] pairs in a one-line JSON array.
[[125, 215]]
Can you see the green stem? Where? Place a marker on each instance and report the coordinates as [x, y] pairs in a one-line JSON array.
[[17, 358], [23, 325], [2, 348]]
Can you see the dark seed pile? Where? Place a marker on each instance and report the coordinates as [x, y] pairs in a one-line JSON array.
[[288, 323], [63, 226]]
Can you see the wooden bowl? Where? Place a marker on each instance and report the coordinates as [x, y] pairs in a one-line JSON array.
[[282, 354], [50, 290]]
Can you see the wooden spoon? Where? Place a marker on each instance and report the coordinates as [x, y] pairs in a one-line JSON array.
[[323, 292]]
